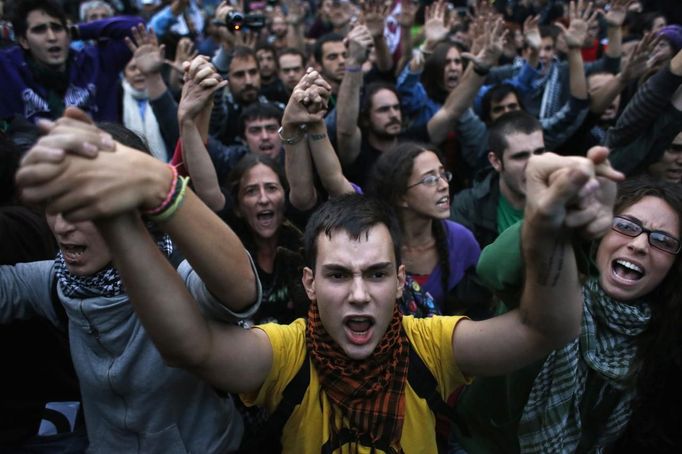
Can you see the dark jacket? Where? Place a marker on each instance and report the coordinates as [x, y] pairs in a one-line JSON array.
[[476, 208]]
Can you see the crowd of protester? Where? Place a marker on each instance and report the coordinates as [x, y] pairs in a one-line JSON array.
[[340, 226]]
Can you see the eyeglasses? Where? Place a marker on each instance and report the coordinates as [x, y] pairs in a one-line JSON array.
[[659, 240], [432, 180]]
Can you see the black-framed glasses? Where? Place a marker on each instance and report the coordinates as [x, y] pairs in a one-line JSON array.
[[659, 240], [432, 180]]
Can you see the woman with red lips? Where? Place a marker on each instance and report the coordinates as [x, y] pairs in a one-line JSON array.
[[439, 255], [625, 365]]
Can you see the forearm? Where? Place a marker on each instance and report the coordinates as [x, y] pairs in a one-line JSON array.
[[384, 59], [211, 247], [155, 85], [200, 167], [299, 171], [645, 106], [406, 46], [576, 74], [460, 99], [295, 37], [117, 27], [326, 161], [603, 97], [161, 300], [551, 302], [614, 35], [347, 113]]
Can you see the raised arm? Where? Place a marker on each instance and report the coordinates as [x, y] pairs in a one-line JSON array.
[[462, 97], [551, 302], [229, 357], [127, 179], [602, 97], [295, 19], [650, 100], [374, 13], [348, 133], [201, 82], [148, 56]]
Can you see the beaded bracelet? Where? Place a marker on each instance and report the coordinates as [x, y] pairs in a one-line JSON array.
[[176, 203], [169, 196]]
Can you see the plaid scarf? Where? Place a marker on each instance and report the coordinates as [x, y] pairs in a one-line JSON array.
[[370, 392], [549, 83], [551, 421], [105, 282]]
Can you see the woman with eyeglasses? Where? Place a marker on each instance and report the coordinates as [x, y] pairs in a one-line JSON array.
[[439, 255], [620, 378]]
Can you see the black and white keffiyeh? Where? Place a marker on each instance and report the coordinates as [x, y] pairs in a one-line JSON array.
[[105, 282], [551, 420]]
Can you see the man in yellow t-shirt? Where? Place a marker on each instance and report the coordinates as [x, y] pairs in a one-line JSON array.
[[357, 342]]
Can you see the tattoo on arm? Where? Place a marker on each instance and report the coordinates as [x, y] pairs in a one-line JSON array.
[[315, 137], [552, 270]]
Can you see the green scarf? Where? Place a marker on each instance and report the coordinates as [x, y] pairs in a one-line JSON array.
[[603, 354]]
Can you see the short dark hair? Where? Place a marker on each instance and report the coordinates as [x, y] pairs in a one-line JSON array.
[[268, 47], [23, 8], [354, 214], [242, 53], [549, 31], [258, 110], [366, 100], [517, 122], [322, 40], [496, 94], [292, 51]]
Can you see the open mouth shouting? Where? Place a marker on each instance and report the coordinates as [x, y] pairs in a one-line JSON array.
[[626, 272], [358, 329], [73, 253]]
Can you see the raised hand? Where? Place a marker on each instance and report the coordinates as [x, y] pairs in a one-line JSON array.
[[408, 12], [74, 132], [296, 11], [148, 56], [531, 32], [359, 42], [308, 102], [185, 51], [638, 62], [492, 48], [617, 12], [375, 13], [570, 192], [434, 23], [201, 82], [580, 15], [87, 188]]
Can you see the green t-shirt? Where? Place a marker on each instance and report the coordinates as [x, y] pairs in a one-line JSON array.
[[507, 215]]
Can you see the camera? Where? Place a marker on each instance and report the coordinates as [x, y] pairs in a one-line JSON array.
[[236, 20]]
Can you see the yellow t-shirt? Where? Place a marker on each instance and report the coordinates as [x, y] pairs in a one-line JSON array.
[[308, 426]]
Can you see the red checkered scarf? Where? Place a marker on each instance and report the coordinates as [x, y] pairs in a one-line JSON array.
[[370, 392]]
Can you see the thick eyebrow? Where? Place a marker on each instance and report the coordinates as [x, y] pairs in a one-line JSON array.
[[381, 266]]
